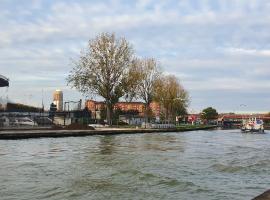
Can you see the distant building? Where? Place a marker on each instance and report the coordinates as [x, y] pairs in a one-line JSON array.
[[58, 100], [96, 106], [194, 118]]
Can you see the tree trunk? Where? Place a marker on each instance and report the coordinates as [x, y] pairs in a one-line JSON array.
[[146, 110], [167, 115], [109, 113]]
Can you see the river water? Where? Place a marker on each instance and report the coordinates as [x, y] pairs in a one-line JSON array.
[[218, 164]]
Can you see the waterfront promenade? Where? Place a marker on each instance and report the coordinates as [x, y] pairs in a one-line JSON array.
[[32, 133]]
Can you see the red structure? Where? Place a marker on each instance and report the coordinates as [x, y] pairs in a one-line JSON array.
[[95, 106], [225, 117], [235, 120], [193, 118]]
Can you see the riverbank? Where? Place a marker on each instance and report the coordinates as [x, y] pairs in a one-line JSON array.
[[32, 133]]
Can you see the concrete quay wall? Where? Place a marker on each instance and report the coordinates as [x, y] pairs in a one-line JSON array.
[[25, 134]]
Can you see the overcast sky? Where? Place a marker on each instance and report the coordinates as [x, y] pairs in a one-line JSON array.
[[219, 49]]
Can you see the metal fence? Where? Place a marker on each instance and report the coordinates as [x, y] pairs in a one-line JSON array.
[[22, 119]]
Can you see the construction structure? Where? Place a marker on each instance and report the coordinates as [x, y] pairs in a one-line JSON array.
[[68, 112]]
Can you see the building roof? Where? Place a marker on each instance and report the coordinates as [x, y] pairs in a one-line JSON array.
[[120, 102], [244, 116]]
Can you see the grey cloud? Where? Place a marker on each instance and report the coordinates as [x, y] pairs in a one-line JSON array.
[[212, 46]]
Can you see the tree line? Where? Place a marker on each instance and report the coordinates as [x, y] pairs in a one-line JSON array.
[[109, 68]]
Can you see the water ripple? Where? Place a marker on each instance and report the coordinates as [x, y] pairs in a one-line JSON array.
[[207, 165]]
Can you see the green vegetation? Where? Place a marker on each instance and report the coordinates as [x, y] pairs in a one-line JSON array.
[[110, 69], [149, 74], [209, 114], [172, 96], [104, 69]]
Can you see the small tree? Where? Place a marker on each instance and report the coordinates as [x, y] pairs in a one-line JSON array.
[[133, 81], [209, 114], [104, 69], [148, 77], [172, 96]]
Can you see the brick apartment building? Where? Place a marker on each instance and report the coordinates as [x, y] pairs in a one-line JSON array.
[[97, 106]]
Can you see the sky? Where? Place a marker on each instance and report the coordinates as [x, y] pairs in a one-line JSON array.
[[219, 49]]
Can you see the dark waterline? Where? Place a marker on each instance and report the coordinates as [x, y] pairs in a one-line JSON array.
[[219, 164]]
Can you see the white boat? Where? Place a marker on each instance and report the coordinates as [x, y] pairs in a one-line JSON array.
[[253, 125]]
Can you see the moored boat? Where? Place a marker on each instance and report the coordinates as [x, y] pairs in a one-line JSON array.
[[253, 125]]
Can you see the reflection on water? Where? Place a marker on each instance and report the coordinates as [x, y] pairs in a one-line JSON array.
[[107, 145], [194, 165], [161, 143]]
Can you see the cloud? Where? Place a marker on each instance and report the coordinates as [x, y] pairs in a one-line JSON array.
[[248, 52], [211, 45]]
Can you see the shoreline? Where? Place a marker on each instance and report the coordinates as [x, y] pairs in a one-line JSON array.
[[45, 133]]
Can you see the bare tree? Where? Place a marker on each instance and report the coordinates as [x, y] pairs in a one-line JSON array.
[[172, 96], [133, 81], [149, 75], [104, 69]]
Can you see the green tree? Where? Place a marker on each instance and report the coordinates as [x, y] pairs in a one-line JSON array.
[[172, 96], [133, 81], [209, 114], [105, 69]]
